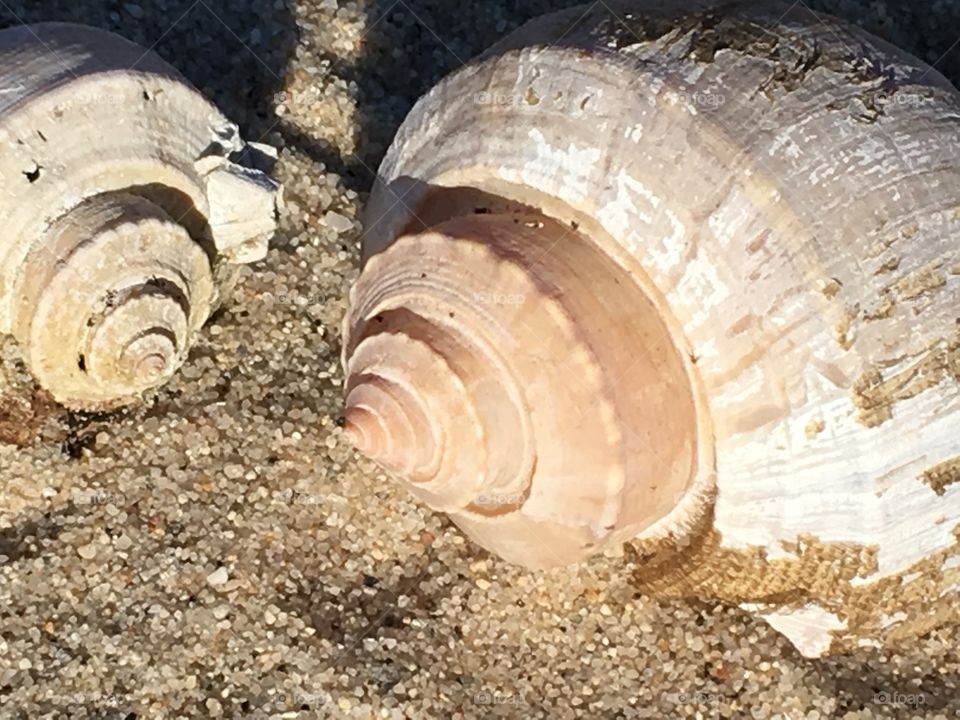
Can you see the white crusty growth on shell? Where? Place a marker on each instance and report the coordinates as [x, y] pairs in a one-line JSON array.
[[124, 196], [688, 276]]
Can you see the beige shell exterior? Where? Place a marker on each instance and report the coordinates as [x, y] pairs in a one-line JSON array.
[[785, 190], [123, 203]]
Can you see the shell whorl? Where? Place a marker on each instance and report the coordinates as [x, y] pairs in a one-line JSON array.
[[123, 204], [119, 281], [466, 348]]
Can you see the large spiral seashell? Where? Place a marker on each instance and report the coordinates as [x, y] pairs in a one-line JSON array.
[[687, 276], [122, 203]]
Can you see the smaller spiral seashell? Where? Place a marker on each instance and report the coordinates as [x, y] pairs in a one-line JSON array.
[[126, 198]]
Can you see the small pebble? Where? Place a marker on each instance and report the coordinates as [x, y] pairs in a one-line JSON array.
[[234, 471], [218, 577], [337, 222]]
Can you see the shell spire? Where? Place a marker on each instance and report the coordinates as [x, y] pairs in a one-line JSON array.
[[469, 348]]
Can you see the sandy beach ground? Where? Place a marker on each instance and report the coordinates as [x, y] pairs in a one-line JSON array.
[[220, 551]]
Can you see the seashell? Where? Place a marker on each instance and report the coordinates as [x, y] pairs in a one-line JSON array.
[[686, 277], [125, 199]]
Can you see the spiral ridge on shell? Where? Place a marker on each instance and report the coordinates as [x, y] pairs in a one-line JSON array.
[[481, 373]]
